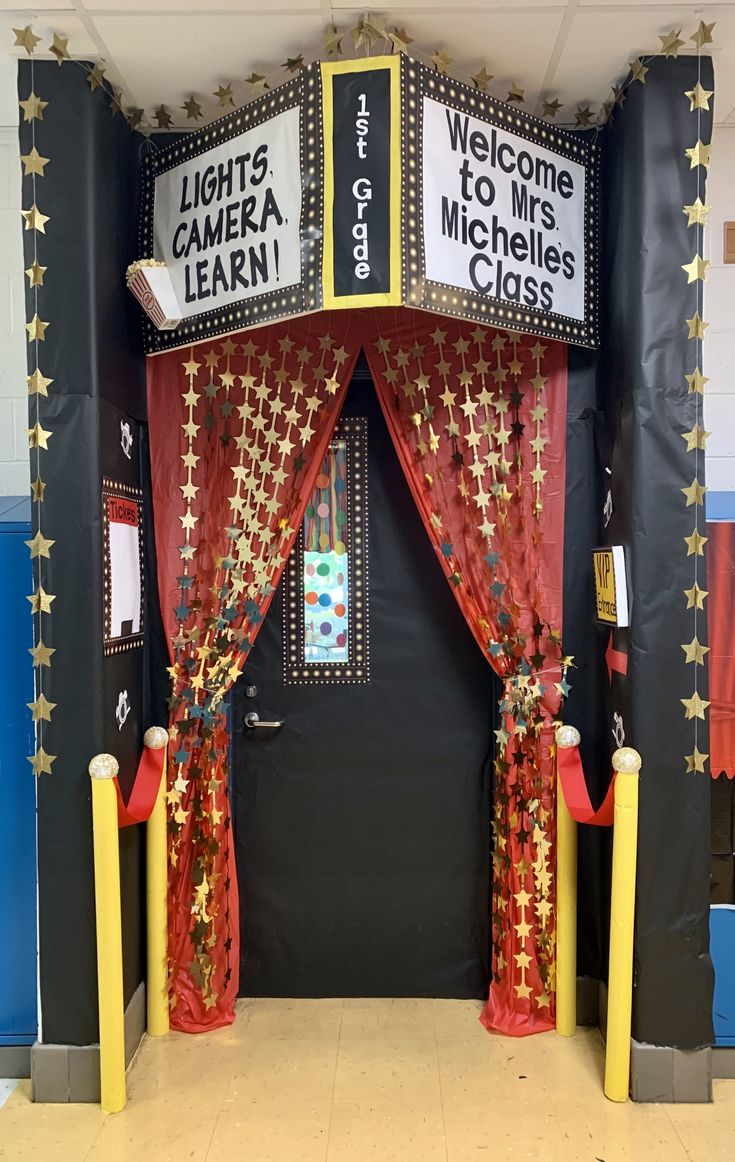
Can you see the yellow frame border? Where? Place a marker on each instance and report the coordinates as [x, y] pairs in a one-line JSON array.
[[391, 297]]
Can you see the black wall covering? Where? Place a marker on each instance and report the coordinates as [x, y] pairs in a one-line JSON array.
[[93, 352], [643, 361]]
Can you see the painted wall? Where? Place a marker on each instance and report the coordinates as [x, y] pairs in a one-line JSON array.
[[719, 344], [14, 464]]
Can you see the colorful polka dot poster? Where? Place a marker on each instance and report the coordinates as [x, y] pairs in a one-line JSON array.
[[326, 562]]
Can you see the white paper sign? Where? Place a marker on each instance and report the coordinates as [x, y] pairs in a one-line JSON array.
[[503, 216], [227, 222]]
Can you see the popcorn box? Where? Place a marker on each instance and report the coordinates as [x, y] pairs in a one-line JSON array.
[[151, 283]]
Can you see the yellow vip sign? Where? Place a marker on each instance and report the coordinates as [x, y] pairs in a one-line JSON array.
[[611, 592]]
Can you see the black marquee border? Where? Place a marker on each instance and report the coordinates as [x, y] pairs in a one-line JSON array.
[[420, 292], [302, 92]]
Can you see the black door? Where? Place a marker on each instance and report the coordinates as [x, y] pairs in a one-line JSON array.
[[362, 824]]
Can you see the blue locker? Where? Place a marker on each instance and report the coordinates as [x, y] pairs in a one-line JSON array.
[[18, 1007], [722, 946]]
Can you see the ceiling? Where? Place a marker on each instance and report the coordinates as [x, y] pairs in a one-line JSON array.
[[161, 51]]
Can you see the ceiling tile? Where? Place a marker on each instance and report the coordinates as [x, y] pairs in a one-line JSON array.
[[143, 8]]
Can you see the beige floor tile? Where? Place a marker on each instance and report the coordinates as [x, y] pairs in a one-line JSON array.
[[624, 1132], [378, 1017], [395, 1131], [498, 1129], [49, 1133], [708, 1131], [259, 1135], [294, 1020], [153, 1132]]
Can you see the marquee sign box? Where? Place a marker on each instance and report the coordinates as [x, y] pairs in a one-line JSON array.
[[375, 182]]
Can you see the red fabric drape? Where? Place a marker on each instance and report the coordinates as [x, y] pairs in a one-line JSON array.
[[478, 418], [239, 429], [720, 551]]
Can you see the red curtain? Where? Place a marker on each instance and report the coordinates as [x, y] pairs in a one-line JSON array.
[[239, 429], [721, 657]]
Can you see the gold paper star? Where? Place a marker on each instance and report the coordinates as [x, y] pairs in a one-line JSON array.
[[135, 117], [703, 35], [694, 493], [38, 437], [34, 219], [694, 652], [224, 96], [36, 329], [695, 544], [258, 81], [618, 93], [696, 382], [163, 117], [41, 601], [400, 39], [696, 269], [441, 61], [33, 108], [481, 79], [37, 490], [26, 38], [191, 367], [694, 706], [696, 596], [696, 761], [95, 77], [698, 97], [60, 48], [41, 708], [516, 93], [639, 70], [294, 63], [41, 654], [699, 154], [193, 108], [671, 44], [523, 991], [41, 762], [40, 546], [333, 41], [38, 384], [583, 116], [33, 162], [697, 326], [35, 273], [551, 108]]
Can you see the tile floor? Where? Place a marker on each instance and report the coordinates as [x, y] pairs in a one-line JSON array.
[[385, 1080]]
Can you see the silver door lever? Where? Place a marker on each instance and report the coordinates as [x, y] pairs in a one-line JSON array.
[[252, 720]]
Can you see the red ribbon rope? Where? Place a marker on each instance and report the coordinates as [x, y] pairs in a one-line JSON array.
[[576, 795], [145, 788]]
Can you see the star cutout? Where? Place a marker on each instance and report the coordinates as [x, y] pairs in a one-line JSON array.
[[41, 762], [703, 35], [481, 79], [694, 493], [192, 108], [26, 38], [696, 597], [696, 761], [41, 601], [34, 219], [38, 437], [696, 269], [36, 329], [696, 438], [135, 117], [41, 708], [40, 546], [33, 163], [258, 81], [293, 63], [516, 93], [698, 97], [551, 108], [35, 273], [224, 96], [41, 654], [583, 117], [694, 652], [163, 117], [671, 44], [697, 326], [37, 490], [95, 77], [333, 41], [38, 384], [639, 70], [696, 213], [696, 382], [441, 61], [695, 544], [59, 48], [699, 154], [400, 39], [694, 706], [33, 108]]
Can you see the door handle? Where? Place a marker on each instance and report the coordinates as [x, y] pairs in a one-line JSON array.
[[253, 720]]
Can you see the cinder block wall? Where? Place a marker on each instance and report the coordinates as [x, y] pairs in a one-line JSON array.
[[719, 338]]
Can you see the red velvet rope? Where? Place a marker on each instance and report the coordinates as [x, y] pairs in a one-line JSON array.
[[145, 788], [576, 795]]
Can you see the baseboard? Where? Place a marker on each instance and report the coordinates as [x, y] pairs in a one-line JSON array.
[[723, 1063], [71, 1073], [15, 1060], [660, 1073]]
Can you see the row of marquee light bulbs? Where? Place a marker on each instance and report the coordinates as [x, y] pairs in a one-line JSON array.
[[369, 36]]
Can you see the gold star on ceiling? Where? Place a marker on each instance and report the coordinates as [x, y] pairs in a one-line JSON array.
[[698, 97], [258, 81], [35, 273], [696, 269], [95, 77], [332, 40], [583, 117], [696, 761], [400, 39], [34, 219], [697, 326], [60, 48], [516, 93], [224, 96], [135, 117], [699, 154], [40, 546], [33, 108], [696, 439], [703, 35], [163, 117], [441, 61], [671, 44], [697, 213], [638, 70], [696, 382], [41, 708], [551, 108], [192, 108], [26, 38], [695, 544], [38, 437], [696, 596], [694, 493], [41, 654], [481, 79], [41, 762], [41, 601], [694, 652], [694, 706], [618, 92], [293, 63], [36, 329], [33, 163]]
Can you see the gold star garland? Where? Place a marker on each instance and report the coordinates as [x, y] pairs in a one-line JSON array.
[[695, 707], [40, 546]]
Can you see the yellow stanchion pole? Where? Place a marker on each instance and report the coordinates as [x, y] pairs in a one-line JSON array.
[[102, 770], [156, 737], [566, 901], [627, 764]]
